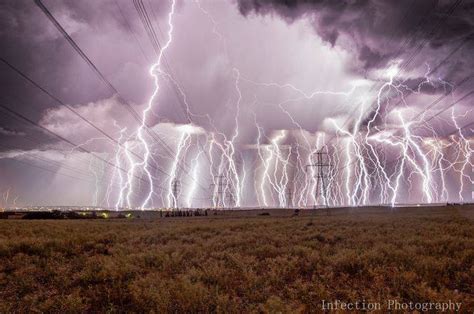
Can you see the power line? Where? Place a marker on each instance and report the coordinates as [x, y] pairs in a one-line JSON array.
[[451, 9], [78, 147], [49, 170], [131, 110], [74, 111], [130, 30], [51, 162]]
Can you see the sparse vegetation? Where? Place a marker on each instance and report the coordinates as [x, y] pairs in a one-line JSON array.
[[236, 264]]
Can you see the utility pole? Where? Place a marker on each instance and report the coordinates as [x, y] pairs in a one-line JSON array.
[[321, 184], [175, 192]]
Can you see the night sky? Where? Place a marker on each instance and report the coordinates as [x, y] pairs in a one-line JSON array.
[[248, 89]]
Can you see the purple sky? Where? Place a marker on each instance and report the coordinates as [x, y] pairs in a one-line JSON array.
[[295, 69]]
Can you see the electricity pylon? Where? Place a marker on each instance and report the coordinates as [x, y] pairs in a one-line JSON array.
[[321, 177]]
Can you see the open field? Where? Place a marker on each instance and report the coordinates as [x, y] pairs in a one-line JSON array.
[[238, 262]]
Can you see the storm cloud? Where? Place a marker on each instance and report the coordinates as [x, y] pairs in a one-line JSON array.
[[377, 31]]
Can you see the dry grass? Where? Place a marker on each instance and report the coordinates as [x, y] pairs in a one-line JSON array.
[[250, 264]]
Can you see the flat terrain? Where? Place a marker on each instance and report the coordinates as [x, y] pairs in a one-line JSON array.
[[238, 262]]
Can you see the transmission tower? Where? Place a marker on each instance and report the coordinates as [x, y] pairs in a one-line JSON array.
[[471, 185], [230, 199], [218, 189], [289, 197], [175, 192], [321, 177]]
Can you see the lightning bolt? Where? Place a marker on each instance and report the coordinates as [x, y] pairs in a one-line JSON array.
[[155, 71]]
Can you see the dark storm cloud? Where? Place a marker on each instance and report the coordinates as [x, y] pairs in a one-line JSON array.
[[432, 38], [377, 31]]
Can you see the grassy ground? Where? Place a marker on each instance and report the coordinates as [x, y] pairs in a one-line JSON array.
[[232, 264]]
